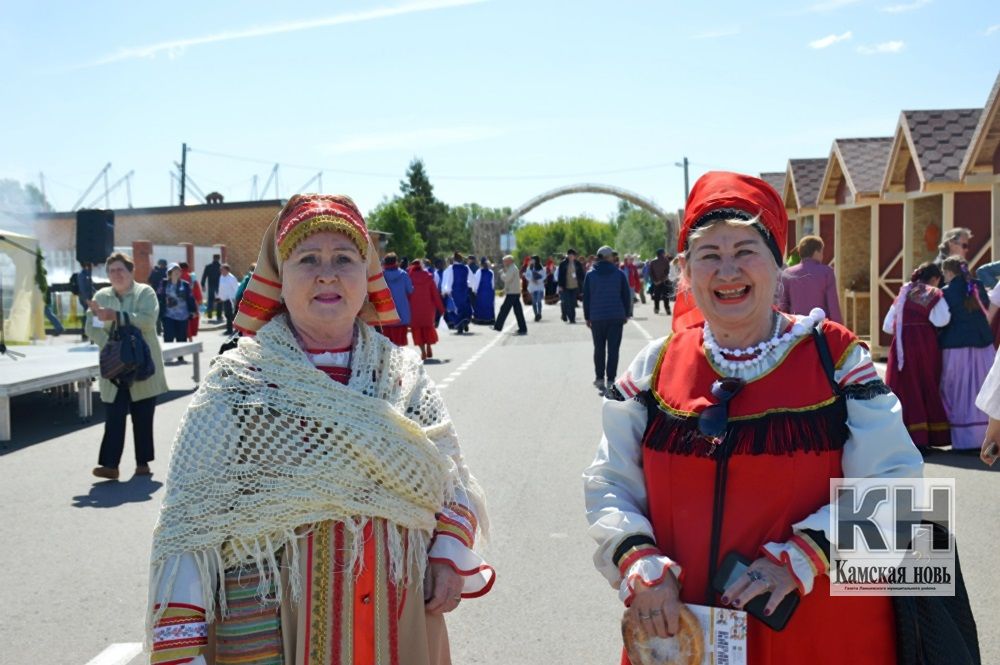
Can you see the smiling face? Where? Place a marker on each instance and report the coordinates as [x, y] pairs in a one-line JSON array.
[[733, 278], [120, 276], [324, 284]]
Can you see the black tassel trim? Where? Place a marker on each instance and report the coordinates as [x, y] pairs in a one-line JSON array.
[[869, 390], [818, 430]]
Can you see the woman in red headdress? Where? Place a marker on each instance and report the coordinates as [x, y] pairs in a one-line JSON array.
[[723, 437], [425, 305], [317, 508]]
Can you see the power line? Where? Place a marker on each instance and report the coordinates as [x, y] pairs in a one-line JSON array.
[[396, 176]]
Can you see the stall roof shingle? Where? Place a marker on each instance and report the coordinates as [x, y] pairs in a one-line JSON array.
[[807, 176], [987, 133], [775, 179], [941, 139], [865, 161]]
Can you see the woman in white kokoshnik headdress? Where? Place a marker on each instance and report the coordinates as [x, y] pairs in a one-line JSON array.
[[318, 509]]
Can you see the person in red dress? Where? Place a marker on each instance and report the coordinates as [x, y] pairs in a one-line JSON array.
[[914, 368], [195, 321], [670, 495], [425, 304]]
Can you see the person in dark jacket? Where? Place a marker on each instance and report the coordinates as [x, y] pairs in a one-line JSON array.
[[210, 277], [569, 277], [966, 354], [607, 305]]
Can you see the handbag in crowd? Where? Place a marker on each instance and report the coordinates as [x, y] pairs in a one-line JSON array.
[[126, 357]]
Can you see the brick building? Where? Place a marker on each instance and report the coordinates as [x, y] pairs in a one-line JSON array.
[[237, 226]]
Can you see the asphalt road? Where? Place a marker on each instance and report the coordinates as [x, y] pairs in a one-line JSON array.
[[75, 551]]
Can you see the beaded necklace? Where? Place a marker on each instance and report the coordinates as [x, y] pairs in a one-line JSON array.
[[752, 356]]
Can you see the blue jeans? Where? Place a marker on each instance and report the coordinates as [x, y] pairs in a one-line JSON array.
[[537, 298]]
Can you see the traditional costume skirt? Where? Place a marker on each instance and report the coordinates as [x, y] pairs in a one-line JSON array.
[[356, 617], [396, 334], [963, 372], [424, 335], [918, 385]]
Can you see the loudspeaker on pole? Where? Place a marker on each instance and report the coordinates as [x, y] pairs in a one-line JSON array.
[[95, 235]]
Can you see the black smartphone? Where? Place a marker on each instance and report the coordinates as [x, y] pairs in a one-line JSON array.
[[735, 565]]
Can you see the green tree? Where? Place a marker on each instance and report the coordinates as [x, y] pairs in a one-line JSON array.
[[393, 218], [430, 215], [582, 233], [638, 230]]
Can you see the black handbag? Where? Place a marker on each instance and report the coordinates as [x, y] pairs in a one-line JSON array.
[[126, 357]]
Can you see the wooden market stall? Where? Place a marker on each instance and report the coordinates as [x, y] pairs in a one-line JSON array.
[[981, 165], [923, 174], [801, 192], [776, 179], [851, 187]]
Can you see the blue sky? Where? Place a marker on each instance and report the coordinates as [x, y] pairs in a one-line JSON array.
[[503, 99]]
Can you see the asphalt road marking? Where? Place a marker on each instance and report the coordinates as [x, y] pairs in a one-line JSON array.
[[117, 654], [445, 382], [645, 333]]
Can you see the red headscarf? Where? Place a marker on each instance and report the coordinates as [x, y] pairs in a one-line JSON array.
[[725, 195]]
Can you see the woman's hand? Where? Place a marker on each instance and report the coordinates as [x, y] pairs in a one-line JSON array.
[[762, 576], [657, 608], [989, 451], [103, 313], [442, 588]]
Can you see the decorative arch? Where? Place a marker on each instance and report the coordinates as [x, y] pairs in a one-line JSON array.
[[592, 188]]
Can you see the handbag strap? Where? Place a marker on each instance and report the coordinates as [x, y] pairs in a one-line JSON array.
[[825, 357]]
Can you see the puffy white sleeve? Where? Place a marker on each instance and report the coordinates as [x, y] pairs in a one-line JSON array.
[[995, 295], [474, 280], [447, 280], [878, 446], [615, 488], [889, 324], [181, 634], [988, 400], [940, 314]]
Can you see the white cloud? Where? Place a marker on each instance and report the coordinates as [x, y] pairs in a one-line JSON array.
[[993, 28], [176, 47], [830, 5], [830, 40], [417, 140], [717, 34], [884, 47], [905, 7]]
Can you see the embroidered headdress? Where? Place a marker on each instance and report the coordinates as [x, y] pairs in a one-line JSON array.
[[302, 216]]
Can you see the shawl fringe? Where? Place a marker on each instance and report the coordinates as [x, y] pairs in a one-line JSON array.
[[782, 433]]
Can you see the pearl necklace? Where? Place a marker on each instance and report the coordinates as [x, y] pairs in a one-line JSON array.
[[752, 356]]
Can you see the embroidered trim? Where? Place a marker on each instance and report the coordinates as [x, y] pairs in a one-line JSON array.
[[630, 543]]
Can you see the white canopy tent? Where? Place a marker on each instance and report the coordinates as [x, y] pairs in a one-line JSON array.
[[23, 306]]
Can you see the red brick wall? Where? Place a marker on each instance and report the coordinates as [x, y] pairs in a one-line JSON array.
[[239, 227]]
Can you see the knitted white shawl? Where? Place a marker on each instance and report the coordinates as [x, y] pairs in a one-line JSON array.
[[271, 446]]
